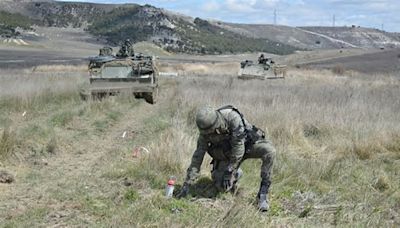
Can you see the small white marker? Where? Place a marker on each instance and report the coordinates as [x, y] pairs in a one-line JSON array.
[[145, 150], [124, 134], [23, 114]]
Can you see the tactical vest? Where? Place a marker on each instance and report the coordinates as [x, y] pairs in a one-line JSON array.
[[252, 133]]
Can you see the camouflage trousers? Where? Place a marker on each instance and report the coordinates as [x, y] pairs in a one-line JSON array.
[[262, 149]]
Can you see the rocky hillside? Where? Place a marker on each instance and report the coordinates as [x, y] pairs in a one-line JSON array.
[[361, 37], [171, 31], [317, 37], [179, 33], [285, 34], [59, 14], [22, 14], [9, 22]]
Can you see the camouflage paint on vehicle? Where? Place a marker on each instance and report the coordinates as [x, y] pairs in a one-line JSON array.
[[264, 69], [136, 75]]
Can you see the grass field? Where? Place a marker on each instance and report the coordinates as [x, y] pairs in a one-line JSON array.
[[337, 137]]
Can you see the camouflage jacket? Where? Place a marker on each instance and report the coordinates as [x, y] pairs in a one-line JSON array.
[[229, 145]]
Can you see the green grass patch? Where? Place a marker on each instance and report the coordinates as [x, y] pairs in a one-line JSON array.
[[104, 115], [62, 119], [155, 179], [8, 141], [131, 195], [101, 125], [33, 176], [51, 146], [174, 205], [100, 207], [276, 208], [114, 115], [35, 130], [29, 218], [156, 124], [5, 121], [44, 101]]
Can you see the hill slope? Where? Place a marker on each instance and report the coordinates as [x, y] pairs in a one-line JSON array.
[[171, 31], [59, 14], [9, 22], [317, 37], [179, 33], [362, 37]]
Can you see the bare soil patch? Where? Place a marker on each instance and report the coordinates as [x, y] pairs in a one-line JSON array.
[[370, 63]]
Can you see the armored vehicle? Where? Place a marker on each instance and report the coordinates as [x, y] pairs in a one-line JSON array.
[[265, 69], [110, 75]]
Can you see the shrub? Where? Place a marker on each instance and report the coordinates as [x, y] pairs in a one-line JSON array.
[[338, 70], [131, 195], [62, 119], [7, 143], [51, 146], [382, 183]]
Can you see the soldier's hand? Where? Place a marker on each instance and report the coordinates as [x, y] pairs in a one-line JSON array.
[[184, 191], [228, 181]]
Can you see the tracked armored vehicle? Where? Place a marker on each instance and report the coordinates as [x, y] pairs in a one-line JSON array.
[[136, 75], [264, 69]]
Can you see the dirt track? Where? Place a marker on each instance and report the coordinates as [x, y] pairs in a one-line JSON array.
[[372, 63], [364, 61], [30, 58]]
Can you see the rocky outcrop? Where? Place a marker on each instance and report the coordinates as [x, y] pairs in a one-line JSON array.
[[180, 33], [6, 177]]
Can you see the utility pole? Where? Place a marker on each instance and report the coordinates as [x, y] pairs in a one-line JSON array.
[[275, 16], [382, 27], [334, 20]]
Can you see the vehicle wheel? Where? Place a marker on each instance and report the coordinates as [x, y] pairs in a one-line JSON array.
[[151, 98], [99, 95], [85, 95]]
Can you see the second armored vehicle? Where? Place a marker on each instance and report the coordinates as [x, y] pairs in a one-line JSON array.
[[265, 69]]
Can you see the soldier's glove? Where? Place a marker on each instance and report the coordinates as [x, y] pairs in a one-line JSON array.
[[184, 191], [228, 178]]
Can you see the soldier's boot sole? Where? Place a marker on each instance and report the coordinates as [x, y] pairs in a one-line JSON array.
[[263, 204]]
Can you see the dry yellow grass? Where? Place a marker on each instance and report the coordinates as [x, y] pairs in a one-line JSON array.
[[337, 140], [190, 69], [60, 68]]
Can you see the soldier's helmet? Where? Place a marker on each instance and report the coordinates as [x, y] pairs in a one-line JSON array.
[[207, 120]]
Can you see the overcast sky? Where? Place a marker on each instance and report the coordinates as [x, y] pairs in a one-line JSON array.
[[366, 13]]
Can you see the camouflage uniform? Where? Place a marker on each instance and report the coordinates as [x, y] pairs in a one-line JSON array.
[[230, 141], [105, 51], [262, 59], [126, 49]]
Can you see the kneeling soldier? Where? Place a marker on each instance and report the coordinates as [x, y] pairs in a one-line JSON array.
[[230, 139]]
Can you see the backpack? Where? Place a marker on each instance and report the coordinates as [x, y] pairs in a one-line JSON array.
[[253, 134]]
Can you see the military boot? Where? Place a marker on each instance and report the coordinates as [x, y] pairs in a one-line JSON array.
[[263, 204]]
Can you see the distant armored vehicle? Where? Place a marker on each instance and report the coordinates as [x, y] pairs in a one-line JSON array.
[[265, 69], [111, 75]]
